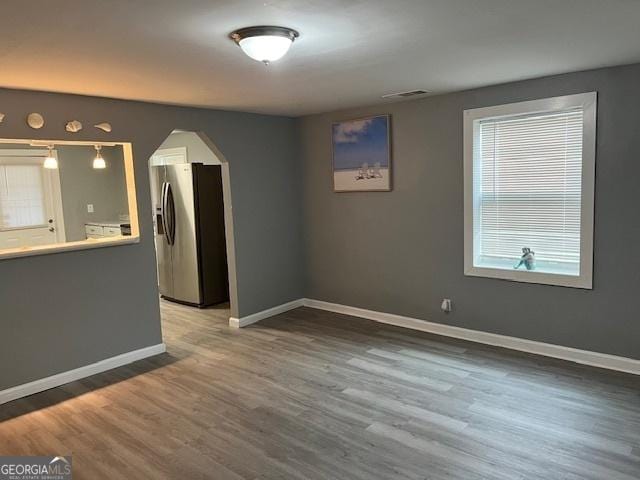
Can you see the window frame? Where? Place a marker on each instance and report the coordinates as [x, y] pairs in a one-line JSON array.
[[471, 120]]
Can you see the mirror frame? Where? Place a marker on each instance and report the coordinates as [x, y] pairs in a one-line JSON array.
[[89, 243]]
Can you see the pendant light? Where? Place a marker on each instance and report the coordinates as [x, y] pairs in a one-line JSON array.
[[264, 43], [50, 161], [98, 162]]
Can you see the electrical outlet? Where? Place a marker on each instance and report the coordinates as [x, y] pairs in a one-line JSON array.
[[89, 208], [446, 305]]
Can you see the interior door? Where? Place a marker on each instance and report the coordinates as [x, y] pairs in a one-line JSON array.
[[169, 156], [30, 202], [182, 226]]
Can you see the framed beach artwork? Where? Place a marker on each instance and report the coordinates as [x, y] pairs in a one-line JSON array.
[[362, 155]]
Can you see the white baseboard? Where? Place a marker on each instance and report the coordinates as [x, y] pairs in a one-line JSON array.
[[43, 384], [585, 357], [270, 312]]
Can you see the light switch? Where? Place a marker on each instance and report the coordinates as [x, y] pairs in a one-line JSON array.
[[89, 208]]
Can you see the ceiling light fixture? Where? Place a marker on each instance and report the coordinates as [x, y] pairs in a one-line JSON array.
[[50, 161], [265, 44], [98, 162]]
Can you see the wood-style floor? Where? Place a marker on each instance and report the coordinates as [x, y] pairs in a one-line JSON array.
[[310, 395]]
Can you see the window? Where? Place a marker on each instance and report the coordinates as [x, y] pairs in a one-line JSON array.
[[22, 202], [529, 179]]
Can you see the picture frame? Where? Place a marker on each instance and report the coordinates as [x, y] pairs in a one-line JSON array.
[[361, 154]]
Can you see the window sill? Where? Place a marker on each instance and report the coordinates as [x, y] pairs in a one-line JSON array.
[[551, 268], [531, 276], [68, 247]]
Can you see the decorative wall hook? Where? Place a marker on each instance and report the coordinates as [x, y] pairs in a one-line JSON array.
[[35, 120]]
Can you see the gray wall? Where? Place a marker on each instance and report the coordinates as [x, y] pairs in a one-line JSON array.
[[81, 184], [62, 311], [398, 252], [402, 252]]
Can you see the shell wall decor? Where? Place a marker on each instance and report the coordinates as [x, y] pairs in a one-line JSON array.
[[35, 120], [104, 126], [73, 126], [1, 117]]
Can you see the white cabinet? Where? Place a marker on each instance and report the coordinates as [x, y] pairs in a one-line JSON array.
[[102, 230], [94, 231]]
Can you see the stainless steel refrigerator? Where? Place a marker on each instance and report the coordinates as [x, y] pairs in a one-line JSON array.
[[189, 233]]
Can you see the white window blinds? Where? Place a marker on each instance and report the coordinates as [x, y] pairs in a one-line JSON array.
[[527, 189]]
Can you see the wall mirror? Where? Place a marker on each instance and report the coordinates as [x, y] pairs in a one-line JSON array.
[[64, 195]]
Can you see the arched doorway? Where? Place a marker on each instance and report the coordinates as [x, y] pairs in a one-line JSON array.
[[193, 223]]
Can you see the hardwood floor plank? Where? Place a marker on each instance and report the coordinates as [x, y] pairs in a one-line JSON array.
[[468, 465], [396, 406], [399, 375]]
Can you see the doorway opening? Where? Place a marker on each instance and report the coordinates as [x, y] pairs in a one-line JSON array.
[[193, 224]]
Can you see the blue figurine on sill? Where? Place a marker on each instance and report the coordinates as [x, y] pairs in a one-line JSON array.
[[528, 259]]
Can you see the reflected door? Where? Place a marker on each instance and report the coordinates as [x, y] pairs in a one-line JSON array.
[[30, 203]]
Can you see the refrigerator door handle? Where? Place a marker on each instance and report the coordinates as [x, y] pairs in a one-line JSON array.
[[163, 211], [171, 217]]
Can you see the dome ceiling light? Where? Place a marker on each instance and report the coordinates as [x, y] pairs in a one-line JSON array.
[[265, 44]]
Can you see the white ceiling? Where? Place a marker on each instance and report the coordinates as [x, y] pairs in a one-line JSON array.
[[350, 51]]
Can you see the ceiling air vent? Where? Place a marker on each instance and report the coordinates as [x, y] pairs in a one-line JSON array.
[[410, 93]]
